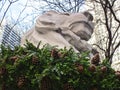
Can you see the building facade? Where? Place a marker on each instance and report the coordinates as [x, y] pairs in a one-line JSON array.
[[10, 37], [100, 36]]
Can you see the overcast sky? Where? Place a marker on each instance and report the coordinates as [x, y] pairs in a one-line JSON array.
[[15, 10], [29, 13]]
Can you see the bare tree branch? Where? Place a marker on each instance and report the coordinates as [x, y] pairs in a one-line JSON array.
[[116, 30], [2, 5], [115, 49], [5, 13], [65, 5], [99, 47], [112, 11], [112, 24], [20, 15], [10, 3]]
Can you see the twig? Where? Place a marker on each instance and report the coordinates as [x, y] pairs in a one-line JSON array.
[[99, 47]]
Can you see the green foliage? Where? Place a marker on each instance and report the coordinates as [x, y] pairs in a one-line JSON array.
[[25, 68]]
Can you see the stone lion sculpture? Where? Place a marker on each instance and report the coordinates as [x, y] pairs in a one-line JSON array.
[[62, 29]]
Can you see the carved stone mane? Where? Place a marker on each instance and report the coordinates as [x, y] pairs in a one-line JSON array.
[[62, 29]]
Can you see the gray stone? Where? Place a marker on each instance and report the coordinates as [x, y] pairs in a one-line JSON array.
[[62, 29]]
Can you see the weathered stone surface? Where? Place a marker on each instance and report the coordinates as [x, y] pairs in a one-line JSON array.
[[62, 29]]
